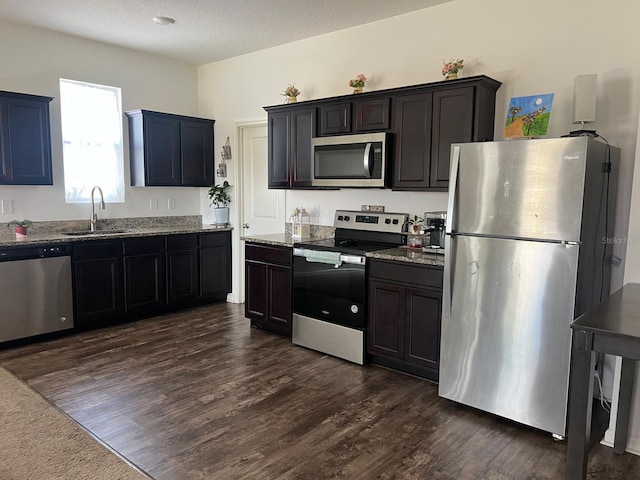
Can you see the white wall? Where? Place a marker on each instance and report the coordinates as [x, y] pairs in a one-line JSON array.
[[33, 60], [531, 48], [632, 275]]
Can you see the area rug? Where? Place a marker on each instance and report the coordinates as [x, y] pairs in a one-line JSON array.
[[38, 441]]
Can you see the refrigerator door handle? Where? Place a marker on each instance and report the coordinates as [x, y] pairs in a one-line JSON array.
[[447, 279], [453, 180]]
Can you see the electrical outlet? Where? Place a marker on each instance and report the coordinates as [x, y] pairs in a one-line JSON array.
[[153, 204], [171, 204], [7, 206]]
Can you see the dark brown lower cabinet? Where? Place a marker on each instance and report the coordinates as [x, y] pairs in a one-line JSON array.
[[144, 275], [182, 269], [268, 284], [98, 286], [405, 308], [215, 266], [131, 278]]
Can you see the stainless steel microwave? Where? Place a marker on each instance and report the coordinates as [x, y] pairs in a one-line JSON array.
[[349, 161]]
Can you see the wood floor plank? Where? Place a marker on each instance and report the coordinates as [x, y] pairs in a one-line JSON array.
[[200, 395]]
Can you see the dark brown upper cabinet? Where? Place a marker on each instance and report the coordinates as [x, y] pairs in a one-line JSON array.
[[335, 118], [170, 150], [423, 120], [25, 139], [427, 123], [372, 114], [289, 147]]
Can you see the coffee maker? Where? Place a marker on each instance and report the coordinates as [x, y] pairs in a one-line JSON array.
[[435, 223]]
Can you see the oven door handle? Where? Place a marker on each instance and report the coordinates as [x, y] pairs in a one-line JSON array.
[[352, 259]]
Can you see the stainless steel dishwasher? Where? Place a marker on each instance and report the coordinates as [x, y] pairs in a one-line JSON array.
[[35, 291]]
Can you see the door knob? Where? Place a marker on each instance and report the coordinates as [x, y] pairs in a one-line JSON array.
[[245, 225]]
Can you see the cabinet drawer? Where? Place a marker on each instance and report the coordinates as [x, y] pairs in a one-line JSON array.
[[141, 246], [95, 250], [182, 242], [214, 239], [263, 253], [406, 273]]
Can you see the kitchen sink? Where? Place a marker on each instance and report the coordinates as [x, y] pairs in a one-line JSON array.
[[79, 233]]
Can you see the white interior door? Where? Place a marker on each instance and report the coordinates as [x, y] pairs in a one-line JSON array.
[[263, 210]]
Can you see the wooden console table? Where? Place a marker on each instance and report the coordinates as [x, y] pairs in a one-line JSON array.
[[612, 327]]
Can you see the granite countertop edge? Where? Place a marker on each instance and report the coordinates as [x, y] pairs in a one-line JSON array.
[[58, 237], [409, 256], [274, 239]]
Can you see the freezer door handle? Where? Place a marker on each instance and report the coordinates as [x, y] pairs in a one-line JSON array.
[[447, 279], [453, 180]]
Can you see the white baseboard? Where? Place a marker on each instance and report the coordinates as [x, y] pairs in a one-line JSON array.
[[231, 298], [633, 443]]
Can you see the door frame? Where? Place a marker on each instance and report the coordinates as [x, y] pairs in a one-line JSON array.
[[239, 128]]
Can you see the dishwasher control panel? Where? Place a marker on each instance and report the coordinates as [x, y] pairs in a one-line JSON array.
[[22, 253]]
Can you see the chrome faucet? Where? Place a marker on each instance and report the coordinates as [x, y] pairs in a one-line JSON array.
[[94, 215]]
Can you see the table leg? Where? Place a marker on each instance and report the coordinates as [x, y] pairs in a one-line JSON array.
[[580, 403], [627, 374]]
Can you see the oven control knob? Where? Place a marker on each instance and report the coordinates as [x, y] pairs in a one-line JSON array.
[[387, 221], [340, 218], [395, 221], [354, 308], [347, 218]]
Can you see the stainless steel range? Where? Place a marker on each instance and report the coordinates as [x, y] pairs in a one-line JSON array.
[[329, 304]]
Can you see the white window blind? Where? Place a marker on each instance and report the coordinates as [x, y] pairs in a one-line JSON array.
[[92, 141]]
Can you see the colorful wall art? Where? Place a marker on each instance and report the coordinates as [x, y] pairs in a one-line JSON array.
[[528, 116]]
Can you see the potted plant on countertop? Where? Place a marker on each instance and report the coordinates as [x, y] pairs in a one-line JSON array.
[[219, 195], [414, 224], [20, 227]]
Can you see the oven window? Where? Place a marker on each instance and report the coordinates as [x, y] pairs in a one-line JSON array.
[[327, 293]]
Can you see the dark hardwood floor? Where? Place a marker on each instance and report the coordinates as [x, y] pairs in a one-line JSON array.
[[200, 395]]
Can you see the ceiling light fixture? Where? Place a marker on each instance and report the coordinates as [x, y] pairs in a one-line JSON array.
[[164, 20]]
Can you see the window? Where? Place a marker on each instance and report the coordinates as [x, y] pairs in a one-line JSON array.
[[91, 141]]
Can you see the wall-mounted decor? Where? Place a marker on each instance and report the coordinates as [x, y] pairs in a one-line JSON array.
[[528, 116]]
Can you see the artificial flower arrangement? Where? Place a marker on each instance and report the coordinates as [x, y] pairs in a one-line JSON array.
[[452, 66], [358, 82], [291, 92]]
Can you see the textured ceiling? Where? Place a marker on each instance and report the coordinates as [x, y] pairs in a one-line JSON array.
[[205, 30]]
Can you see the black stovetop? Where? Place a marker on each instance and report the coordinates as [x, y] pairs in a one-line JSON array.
[[346, 241]]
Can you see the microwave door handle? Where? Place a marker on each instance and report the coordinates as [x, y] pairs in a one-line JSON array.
[[368, 167]]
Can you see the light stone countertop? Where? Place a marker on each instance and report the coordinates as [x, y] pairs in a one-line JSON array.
[[58, 237], [410, 256], [275, 239]]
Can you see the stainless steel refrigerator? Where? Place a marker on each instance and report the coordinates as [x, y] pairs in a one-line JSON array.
[[526, 253]]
